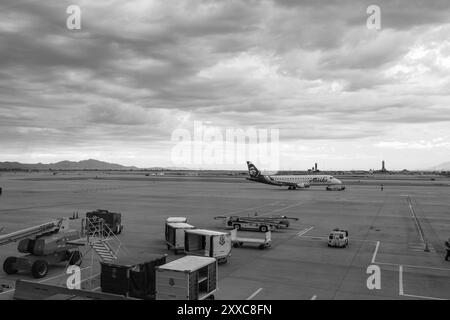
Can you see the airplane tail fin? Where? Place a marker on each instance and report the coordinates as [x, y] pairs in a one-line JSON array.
[[252, 170]]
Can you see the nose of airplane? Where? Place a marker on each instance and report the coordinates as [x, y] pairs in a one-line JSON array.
[[336, 181]]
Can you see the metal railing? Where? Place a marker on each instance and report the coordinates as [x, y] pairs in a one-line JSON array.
[[96, 230]]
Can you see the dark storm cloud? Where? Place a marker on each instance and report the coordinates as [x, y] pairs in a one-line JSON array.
[[139, 69]]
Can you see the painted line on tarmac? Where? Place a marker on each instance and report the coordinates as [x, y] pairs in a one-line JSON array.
[[400, 280], [254, 294], [375, 253], [412, 266], [304, 231], [401, 290], [416, 220]]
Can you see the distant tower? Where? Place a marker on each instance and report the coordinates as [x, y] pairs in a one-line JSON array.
[[315, 166], [383, 168]]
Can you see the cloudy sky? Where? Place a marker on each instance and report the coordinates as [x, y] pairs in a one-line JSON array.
[[340, 94]]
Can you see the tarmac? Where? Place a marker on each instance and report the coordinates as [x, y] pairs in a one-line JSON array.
[[400, 230]]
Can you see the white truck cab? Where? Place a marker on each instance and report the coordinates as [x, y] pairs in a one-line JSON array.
[[338, 238]]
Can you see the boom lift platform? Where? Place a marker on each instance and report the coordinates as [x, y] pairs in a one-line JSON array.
[[45, 244]]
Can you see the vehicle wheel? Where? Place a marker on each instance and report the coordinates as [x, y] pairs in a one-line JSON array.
[[75, 258], [263, 228], [237, 226], [39, 269], [8, 265], [235, 245], [261, 246]]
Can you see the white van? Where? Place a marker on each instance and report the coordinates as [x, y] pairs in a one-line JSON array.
[[338, 238]]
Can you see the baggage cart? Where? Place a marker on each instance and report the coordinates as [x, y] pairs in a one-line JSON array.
[[188, 278], [262, 243]]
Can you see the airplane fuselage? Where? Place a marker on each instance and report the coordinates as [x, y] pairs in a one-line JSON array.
[[291, 181], [296, 180]]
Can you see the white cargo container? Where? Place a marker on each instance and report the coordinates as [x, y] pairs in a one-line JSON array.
[[176, 219], [175, 235], [188, 278], [208, 243]]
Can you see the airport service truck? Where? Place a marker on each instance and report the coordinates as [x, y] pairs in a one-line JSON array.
[[188, 278]]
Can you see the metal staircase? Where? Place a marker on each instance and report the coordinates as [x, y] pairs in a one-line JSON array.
[[102, 239]]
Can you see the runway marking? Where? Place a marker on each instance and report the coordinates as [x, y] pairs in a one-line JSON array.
[[304, 231], [401, 291], [412, 266], [375, 252], [400, 280], [254, 294], [313, 297], [418, 226]]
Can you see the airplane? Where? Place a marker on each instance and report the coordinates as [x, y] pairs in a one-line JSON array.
[[292, 181]]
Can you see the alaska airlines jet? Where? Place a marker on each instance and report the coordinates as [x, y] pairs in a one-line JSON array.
[[291, 181]]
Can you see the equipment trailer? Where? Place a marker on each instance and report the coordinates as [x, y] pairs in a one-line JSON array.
[[262, 243], [250, 223]]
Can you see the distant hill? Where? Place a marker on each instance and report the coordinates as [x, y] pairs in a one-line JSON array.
[[90, 164], [442, 167]]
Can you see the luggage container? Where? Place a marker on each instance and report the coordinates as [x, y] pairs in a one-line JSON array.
[[131, 277], [188, 278], [208, 243], [175, 235]]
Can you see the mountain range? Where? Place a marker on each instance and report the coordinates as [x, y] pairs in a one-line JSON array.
[[441, 167], [90, 164]]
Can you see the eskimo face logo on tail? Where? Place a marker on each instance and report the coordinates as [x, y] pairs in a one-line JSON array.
[[252, 171]]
